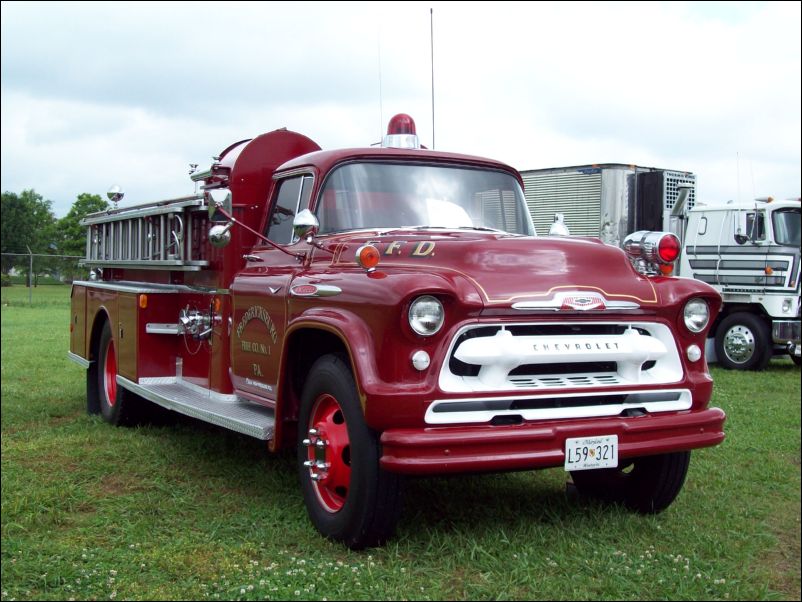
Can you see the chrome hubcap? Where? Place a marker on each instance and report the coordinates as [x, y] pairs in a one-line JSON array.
[[328, 453], [739, 344]]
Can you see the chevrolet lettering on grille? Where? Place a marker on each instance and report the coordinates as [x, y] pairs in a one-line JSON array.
[[556, 347]]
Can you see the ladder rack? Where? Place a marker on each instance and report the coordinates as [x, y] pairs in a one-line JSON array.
[[164, 235]]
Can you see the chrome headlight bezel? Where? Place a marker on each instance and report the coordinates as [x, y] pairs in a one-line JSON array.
[[696, 315], [426, 315]]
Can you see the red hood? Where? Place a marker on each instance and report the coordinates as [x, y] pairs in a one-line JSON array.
[[509, 269]]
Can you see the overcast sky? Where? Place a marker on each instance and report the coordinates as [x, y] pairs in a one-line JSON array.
[[109, 93]]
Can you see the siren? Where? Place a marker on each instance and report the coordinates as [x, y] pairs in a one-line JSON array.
[[652, 252], [401, 133]]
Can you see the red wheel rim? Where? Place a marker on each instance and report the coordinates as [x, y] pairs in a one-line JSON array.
[[329, 453], [110, 374]]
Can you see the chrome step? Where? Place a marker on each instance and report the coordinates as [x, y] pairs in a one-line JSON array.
[[229, 411]]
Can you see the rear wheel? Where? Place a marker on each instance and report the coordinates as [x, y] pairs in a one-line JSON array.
[[116, 405], [349, 498], [743, 342], [647, 485]]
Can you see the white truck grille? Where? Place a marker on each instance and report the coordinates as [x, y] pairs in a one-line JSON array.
[[546, 359], [590, 354]]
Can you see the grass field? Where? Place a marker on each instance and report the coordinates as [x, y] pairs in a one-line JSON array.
[[187, 511]]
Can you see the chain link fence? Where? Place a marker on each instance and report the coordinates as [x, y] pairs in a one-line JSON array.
[[37, 273]]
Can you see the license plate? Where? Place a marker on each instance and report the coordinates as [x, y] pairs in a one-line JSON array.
[[588, 453]]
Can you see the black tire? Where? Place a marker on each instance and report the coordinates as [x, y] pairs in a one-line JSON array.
[[647, 485], [743, 342], [353, 500], [117, 405]]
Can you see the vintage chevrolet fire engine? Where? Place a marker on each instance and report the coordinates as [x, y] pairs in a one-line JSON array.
[[390, 311]]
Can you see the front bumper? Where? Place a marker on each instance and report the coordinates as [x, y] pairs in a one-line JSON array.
[[787, 333], [487, 448]]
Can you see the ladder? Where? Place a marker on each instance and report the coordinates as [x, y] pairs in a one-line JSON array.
[[162, 235]]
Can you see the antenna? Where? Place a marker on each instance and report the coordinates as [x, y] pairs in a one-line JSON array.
[[381, 108], [431, 28]]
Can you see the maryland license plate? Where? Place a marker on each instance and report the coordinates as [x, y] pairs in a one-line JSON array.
[[588, 453]]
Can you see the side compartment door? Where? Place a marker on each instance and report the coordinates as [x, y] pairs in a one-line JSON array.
[[259, 295]]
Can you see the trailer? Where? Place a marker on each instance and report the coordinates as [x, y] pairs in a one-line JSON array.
[[606, 200]]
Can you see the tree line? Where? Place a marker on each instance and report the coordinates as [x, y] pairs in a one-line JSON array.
[[29, 226]]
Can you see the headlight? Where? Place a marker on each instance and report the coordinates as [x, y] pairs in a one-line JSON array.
[[426, 315], [696, 315]]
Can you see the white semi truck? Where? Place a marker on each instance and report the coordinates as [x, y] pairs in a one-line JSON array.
[[749, 252]]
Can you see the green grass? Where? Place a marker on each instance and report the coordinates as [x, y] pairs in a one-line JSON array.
[[187, 511]]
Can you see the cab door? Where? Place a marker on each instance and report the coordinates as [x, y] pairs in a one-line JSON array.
[[260, 293]]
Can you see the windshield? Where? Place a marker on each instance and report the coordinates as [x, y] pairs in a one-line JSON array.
[[378, 195], [786, 227]]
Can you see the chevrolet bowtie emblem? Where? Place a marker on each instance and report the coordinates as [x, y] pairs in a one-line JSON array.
[[583, 303], [575, 301]]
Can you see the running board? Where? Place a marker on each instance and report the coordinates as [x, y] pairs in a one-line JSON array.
[[229, 411]]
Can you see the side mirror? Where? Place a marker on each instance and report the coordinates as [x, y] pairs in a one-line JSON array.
[[305, 224], [216, 199], [741, 239]]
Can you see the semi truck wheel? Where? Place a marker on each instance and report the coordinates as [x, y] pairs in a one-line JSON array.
[[647, 485], [743, 342], [348, 497], [116, 405]]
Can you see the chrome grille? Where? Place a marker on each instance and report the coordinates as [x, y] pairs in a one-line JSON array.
[[549, 356]]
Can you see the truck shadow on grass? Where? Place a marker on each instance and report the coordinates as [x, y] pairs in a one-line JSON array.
[[469, 505]]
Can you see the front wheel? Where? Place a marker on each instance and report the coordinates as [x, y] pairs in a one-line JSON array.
[[647, 485], [743, 342], [349, 498]]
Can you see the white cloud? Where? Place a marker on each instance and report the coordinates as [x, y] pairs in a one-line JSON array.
[[130, 93]]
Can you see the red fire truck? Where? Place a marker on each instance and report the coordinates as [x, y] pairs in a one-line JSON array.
[[388, 312]]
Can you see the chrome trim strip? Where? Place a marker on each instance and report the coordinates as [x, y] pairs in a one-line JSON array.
[[156, 328], [124, 287], [438, 411], [84, 363], [548, 306], [321, 290], [127, 286], [177, 265]]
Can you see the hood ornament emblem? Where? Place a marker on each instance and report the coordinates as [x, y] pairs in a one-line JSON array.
[[583, 303], [576, 301]]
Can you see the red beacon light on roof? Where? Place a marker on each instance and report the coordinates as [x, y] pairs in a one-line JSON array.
[[401, 133]]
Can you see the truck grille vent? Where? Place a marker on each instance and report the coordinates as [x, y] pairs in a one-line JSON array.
[[560, 356]]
